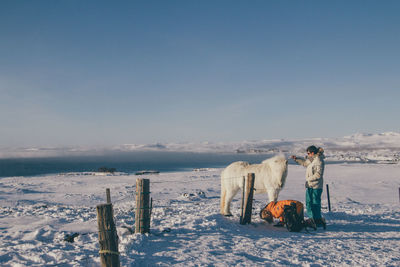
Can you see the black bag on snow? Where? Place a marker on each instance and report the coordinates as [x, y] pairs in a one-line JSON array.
[[293, 221]]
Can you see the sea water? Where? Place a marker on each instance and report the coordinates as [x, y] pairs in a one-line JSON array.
[[123, 162]]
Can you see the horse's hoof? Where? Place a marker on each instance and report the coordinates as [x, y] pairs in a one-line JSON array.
[[228, 215]]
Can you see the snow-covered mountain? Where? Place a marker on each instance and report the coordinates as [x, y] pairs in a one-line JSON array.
[[382, 147]]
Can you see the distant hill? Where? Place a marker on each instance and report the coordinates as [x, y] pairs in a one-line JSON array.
[[359, 147]]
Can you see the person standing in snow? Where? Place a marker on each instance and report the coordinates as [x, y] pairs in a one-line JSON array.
[[314, 162]]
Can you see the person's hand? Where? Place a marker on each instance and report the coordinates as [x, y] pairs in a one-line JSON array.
[[293, 157]]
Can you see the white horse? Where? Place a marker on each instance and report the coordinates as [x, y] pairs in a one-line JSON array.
[[270, 177]]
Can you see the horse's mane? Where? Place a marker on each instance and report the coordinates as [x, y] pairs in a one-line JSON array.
[[277, 157]]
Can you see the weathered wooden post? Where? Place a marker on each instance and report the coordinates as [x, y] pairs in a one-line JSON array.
[[329, 200], [108, 238], [248, 205], [243, 197], [142, 216], [108, 195]]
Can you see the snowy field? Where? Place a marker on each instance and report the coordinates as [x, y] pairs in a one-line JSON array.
[[36, 213]]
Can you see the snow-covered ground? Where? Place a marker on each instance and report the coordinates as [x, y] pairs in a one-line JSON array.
[[37, 213]]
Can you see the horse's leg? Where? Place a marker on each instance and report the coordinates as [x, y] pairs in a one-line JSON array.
[[223, 200], [273, 194], [228, 199]]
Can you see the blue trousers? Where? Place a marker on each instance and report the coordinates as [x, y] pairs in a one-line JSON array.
[[313, 203]]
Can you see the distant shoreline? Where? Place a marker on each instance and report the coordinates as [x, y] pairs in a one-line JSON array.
[[129, 163]]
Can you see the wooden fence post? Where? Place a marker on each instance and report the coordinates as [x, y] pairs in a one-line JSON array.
[[243, 197], [329, 200], [108, 238], [142, 216], [248, 205], [108, 195]]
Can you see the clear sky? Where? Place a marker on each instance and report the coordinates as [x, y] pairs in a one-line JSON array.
[[104, 73]]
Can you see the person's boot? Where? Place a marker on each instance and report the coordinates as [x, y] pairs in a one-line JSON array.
[[310, 223], [321, 222]]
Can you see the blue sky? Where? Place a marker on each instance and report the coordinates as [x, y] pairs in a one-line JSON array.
[[103, 73]]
